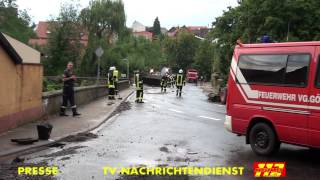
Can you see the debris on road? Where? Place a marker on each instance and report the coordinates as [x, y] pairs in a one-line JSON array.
[[124, 106], [164, 149], [192, 152], [24, 141], [79, 137], [64, 152]]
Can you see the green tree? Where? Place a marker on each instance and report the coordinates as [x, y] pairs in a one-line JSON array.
[[204, 58], [105, 21], [186, 48], [64, 40], [170, 51], [180, 51], [288, 20], [156, 27], [103, 18], [15, 22]]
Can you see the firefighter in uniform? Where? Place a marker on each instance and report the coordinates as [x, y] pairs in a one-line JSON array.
[[139, 87], [68, 91], [111, 84], [171, 81], [116, 80], [163, 83], [180, 81]]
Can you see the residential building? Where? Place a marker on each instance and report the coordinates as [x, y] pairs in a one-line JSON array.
[[138, 27], [43, 32], [145, 34], [20, 83]]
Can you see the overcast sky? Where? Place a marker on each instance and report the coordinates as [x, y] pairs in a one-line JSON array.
[[170, 12]]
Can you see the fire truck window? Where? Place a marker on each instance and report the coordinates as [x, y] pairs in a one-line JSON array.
[[297, 70], [318, 74], [262, 69]]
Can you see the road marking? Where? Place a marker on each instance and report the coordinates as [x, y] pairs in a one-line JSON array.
[[205, 117], [174, 110]]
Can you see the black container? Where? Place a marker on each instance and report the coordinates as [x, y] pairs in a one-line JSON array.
[[44, 131]]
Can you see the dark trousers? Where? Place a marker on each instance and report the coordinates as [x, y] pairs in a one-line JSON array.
[[68, 96], [164, 88], [116, 88], [179, 90], [111, 93], [139, 95]]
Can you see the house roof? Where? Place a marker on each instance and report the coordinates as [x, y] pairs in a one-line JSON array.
[[18, 51], [194, 28], [43, 30], [9, 49], [137, 23]]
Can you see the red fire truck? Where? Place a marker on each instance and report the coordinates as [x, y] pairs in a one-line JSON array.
[[274, 95], [192, 75]]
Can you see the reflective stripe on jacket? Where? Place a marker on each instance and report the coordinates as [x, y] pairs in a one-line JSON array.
[[179, 80], [138, 82], [116, 75]]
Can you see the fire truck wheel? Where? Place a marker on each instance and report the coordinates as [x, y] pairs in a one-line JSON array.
[[263, 139]]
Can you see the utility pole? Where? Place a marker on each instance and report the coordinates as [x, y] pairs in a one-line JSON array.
[[288, 31], [126, 59]]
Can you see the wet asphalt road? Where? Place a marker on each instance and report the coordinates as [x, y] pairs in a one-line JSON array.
[[168, 131]]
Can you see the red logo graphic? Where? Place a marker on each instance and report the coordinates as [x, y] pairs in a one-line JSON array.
[[269, 169]]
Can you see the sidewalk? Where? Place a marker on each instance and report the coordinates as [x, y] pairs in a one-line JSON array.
[[92, 116]]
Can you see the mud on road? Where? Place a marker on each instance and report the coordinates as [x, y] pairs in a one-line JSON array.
[[124, 106]]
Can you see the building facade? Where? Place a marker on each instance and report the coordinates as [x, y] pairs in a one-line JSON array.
[[21, 77]]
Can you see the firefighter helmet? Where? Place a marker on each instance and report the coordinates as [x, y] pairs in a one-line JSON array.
[[180, 71]]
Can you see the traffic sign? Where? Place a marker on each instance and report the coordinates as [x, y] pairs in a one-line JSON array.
[[99, 52]]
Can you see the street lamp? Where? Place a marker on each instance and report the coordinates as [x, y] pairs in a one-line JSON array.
[[126, 59]]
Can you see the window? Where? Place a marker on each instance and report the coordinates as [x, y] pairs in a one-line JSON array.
[[282, 69], [318, 74], [262, 69], [297, 70]]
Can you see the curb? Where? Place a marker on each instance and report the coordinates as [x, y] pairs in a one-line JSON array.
[[48, 143]]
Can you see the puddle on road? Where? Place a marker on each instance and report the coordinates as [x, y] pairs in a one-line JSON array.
[[177, 154]]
